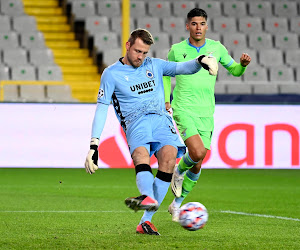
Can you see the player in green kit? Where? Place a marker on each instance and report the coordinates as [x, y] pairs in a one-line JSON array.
[[193, 104]]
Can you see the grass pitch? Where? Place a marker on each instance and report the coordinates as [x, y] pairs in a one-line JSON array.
[[69, 209]]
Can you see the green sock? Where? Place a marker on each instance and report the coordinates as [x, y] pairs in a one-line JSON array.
[[189, 181], [185, 163], [187, 186]]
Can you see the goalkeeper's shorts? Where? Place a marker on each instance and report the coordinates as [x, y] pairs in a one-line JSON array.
[[153, 132], [189, 125]]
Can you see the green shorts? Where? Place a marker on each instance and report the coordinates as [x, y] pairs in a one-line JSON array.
[[189, 126]]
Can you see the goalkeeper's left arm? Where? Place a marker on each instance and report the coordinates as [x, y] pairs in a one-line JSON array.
[[209, 63]]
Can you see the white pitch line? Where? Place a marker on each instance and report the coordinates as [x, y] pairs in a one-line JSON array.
[[67, 211], [126, 211], [261, 215]]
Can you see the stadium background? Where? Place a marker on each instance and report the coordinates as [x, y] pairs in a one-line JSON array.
[[53, 53]]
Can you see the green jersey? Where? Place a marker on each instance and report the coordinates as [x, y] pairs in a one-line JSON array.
[[194, 94]]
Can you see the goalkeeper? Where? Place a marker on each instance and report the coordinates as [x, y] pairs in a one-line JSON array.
[[134, 85], [193, 104]]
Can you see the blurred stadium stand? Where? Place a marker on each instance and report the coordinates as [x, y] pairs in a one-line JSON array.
[[69, 43], [39, 52]]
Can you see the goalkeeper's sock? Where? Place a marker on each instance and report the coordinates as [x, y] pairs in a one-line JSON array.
[[190, 180], [160, 186], [185, 163], [144, 179]]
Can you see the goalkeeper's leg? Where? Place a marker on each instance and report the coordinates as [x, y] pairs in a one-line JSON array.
[[166, 160], [144, 181], [160, 185]]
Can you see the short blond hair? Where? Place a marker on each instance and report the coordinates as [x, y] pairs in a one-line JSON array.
[[143, 34]]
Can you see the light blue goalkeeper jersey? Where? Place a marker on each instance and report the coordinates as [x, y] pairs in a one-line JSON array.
[[136, 91]]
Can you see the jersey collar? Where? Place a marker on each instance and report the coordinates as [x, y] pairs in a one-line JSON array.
[[197, 48]]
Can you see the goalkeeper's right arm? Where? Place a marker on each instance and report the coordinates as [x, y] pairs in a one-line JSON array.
[[91, 162]]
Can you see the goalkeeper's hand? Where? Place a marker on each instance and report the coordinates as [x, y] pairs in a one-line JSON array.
[[209, 63], [91, 162]]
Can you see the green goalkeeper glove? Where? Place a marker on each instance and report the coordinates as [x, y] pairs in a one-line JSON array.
[[209, 63], [91, 162]]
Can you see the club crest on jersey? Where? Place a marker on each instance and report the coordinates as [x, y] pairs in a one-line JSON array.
[[101, 93], [210, 53], [149, 74]]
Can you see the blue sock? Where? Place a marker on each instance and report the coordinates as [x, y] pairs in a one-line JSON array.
[[160, 188], [144, 182], [193, 177]]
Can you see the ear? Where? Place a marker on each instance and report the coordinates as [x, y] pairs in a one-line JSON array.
[[187, 27], [127, 45]]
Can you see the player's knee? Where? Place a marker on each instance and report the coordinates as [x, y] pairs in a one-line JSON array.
[[166, 157], [140, 155], [167, 164], [198, 154], [170, 163]]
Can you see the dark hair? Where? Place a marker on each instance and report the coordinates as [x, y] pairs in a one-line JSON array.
[[196, 12], [143, 34]]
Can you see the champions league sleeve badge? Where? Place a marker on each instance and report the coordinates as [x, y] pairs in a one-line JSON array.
[[149, 74], [101, 93]]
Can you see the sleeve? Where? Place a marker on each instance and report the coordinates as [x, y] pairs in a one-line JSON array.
[[167, 79], [106, 90], [188, 68], [178, 68], [99, 120], [107, 87], [236, 69]]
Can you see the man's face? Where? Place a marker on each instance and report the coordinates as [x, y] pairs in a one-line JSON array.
[[137, 53], [197, 28]]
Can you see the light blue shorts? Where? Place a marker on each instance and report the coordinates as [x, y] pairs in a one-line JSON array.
[[153, 132]]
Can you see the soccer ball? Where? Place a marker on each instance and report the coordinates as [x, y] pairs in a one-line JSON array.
[[193, 216]]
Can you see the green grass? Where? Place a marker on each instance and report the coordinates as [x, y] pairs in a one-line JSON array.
[[36, 211]]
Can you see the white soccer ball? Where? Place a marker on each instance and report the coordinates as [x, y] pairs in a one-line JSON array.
[[193, 216]]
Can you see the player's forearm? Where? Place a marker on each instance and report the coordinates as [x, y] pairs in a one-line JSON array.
[[236, 69], [167, 87], [99, 120], [188, 68]]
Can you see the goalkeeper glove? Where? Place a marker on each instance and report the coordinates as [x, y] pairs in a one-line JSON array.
[[91, 162], [209, 63]]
